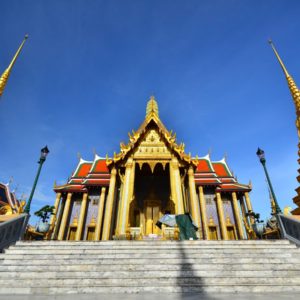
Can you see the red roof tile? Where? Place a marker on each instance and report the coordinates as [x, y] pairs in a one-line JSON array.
[[83, 170], [203, 166], [220, 169], [100, 166]]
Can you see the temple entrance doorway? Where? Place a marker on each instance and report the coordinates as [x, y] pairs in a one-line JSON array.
[[152, 196], [152, 215]]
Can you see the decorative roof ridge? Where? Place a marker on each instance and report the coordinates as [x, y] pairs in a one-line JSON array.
[[224, 162], [207, 157], [97, 157], [81, 162]]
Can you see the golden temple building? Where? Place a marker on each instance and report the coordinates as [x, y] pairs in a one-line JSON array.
[[123, 197]]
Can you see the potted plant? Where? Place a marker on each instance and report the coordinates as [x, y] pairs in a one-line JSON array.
[[44, 213]]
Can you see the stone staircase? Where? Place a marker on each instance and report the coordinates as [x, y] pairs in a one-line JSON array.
[[52, 267]]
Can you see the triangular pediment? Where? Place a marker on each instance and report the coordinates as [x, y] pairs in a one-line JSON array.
[[151, 141], [152, 146]]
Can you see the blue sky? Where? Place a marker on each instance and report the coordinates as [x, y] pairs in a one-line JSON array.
[[89, 67]]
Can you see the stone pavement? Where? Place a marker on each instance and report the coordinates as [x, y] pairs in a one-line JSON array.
[[158, 296]]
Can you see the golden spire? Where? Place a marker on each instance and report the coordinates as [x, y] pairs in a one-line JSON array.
[[5, 75], [292, 86], [152, 107]]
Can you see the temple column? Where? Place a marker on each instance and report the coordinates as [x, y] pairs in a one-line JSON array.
[[58, 219], [64, 219], [119, 207], [249, 206], [176, 186], [100, 214], [194, 199], [237, 215], [221, 217], [54, 216], [173, 194], [81, 217], [109, 205], [203, 213], [127, 193]]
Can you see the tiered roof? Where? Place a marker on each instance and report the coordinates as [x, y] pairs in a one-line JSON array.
[[207, 173], [87, 173], [217, 173]]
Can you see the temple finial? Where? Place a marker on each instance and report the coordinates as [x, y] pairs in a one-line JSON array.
[[279, 59], [6, 73], [292, 87], [79, 155], [152, 107]]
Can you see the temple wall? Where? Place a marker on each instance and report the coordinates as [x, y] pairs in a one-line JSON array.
[[211, 210]]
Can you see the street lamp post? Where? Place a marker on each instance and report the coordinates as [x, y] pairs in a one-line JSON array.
[[261, 155], [44, 153]]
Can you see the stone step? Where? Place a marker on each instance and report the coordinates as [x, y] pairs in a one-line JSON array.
[[211, 266], [167, 242], [134, 274], [137, 246], [145, 281], [146, 256], [148, 251], [199, 289], [122, 258], [132, 261]]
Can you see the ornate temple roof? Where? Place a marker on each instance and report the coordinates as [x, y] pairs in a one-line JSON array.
[[87, 173], [97, 172]]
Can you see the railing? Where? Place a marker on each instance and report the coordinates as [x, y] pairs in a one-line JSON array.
[[290, 228], [12, 230]]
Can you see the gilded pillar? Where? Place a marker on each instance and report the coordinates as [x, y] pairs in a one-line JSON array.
[[172, 186], [237, 215], [176, 186], [109, 205], [119, 206], [194, 199], [203, 213], [54, 216], [249, 206], [100, 214], [64, 219], [221, 217], [81, 217], [127, 194]]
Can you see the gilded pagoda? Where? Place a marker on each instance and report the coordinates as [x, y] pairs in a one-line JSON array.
[[124, 196]]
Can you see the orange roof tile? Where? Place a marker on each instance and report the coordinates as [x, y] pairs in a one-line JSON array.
[[220, 169], [83, 170], [203, 166], [100, 166]]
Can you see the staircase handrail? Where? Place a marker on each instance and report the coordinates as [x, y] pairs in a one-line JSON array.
[[13, 230], [290, 228]]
